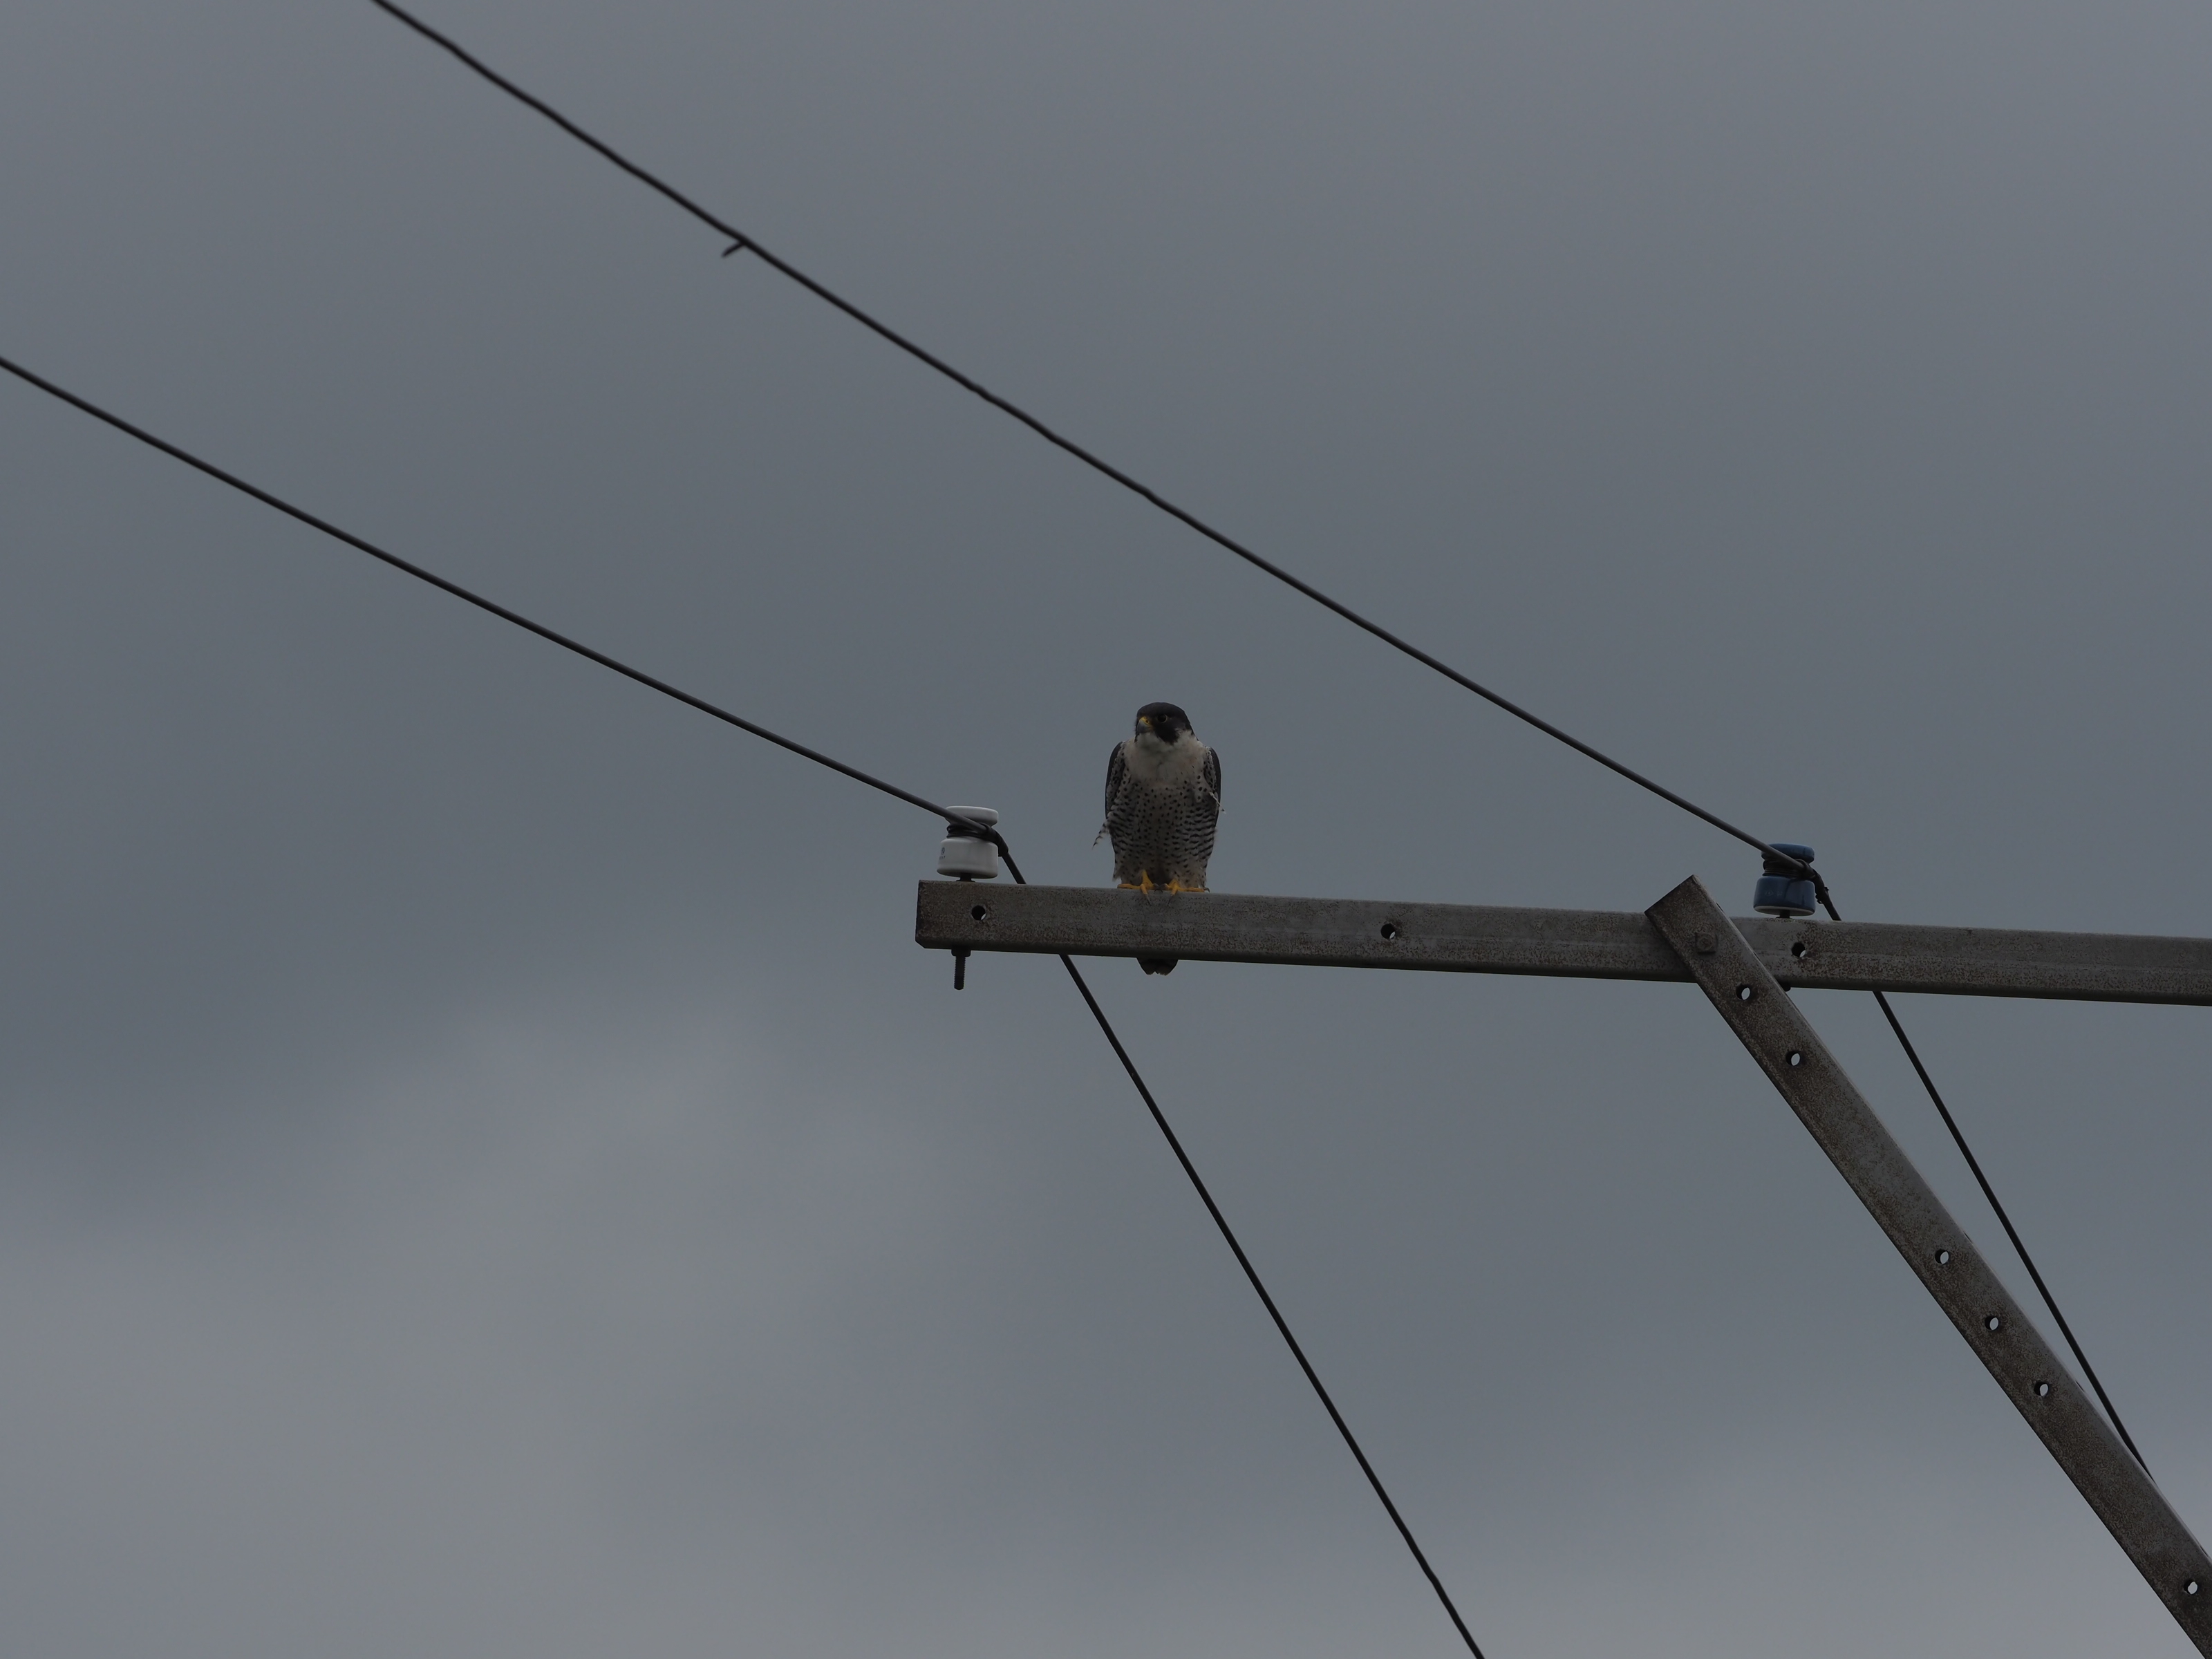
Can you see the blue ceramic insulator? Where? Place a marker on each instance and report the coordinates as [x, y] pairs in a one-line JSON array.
[[1782, 891]]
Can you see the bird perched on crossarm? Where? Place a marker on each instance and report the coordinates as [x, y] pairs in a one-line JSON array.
[[1162, 798]]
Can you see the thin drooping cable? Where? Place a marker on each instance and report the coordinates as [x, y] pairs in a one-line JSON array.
[[484, 604], [2011, 1232], [1259, 1288], [2004, 1220], [854, 772], [740, 240], [1274, 1313]]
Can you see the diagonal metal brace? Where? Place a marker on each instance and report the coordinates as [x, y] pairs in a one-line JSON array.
[[1936, 1248]]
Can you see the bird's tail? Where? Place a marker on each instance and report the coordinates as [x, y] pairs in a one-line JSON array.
[[1100, 837]]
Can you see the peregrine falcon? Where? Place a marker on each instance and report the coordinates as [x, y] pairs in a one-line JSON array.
[[1163, 796]]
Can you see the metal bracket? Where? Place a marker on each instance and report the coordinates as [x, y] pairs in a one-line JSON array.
[[1937, 1249]]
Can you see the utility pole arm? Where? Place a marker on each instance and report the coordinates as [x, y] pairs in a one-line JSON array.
[[1730, 971], [1483, 938]]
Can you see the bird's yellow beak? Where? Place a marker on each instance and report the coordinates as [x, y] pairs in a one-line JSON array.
[[1144, 719]]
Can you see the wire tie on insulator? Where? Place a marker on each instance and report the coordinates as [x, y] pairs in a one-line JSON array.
[[1787, 887]]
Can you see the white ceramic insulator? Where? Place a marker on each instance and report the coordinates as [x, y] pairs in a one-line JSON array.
[[965, 857]]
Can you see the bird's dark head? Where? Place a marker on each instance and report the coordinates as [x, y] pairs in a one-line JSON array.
[[1163, 720]]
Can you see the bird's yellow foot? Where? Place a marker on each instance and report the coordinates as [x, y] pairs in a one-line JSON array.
[[1177, 887], [1128, 886]]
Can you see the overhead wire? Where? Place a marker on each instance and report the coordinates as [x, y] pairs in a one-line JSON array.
[[2012, 1232], [1275, 1313], [2004, 1220], [949, 814], [483, 604], [742, 241]]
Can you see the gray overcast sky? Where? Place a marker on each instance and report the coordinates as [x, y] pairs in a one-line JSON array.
[[483, 1167]]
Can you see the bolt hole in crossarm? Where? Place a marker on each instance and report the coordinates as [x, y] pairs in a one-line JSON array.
[[1390, 931]]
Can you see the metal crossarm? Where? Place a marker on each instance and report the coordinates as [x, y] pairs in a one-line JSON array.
[[1475, 939], [1733, 975]]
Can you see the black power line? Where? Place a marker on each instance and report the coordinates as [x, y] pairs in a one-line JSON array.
[[1253, 1274], [740, 242], [2004, 1220], [484, 604], [2011, 1231], [1175, 1142]]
